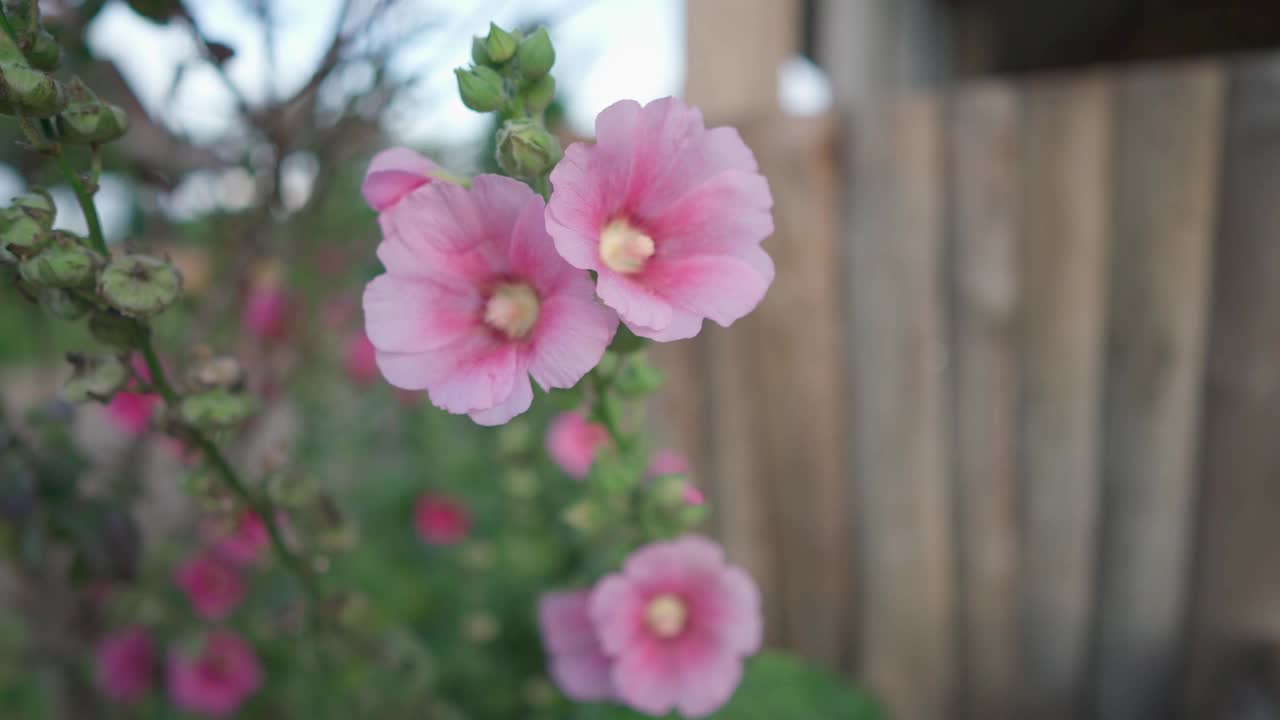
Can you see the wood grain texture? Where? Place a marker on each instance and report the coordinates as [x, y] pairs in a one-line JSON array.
[[900, 400], [1166, 186], [985, 152], [1237, 576], [734, 50], [1066, 214]]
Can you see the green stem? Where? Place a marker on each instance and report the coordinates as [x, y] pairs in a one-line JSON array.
[[4, 21], [85, 198], [261, 506]]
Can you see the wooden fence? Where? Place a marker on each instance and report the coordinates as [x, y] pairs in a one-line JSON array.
[[1004, 439]]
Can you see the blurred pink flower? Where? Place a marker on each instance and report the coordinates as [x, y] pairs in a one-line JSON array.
[[266, 312], [677, 623], [239, 540], [692, 495], [440, 520], [216, 679], [475, 300], [394, 173], [129, 411], [360, 359], [573, 441], [668, 462], [669, 214], [340, 311], [212, 584], [578, 664], [126, 664]]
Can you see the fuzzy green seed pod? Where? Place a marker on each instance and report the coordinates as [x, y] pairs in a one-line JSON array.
[[64, 305], [481, 88], [45, 53], [217, 409], [94, 378], [500, 44], [22, 231], [32, 91], [62, 263], [526, 149], [112, 328], [38, 205], [140, 285], [535, 56], [89, 120], [539, 94]]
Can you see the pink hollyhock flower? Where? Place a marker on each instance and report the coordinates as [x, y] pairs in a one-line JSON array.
[[394, 173], [360, 360], [266, 312], [126, 664], [669, 214], [668, 462], [217, 678], [573, 441], [241, 540], [131, 411], [677, 623], [211, 583], [471, 325], [578, 664], [440, 520]]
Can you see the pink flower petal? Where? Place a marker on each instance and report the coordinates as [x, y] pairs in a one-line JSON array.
[[517, 402], [635, 303], [572, 334], [647, 678], [405, 315], [721, 287], [584, 677], [394, 173]]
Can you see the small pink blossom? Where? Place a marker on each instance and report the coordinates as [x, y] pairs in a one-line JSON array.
[[394, 173], [266, 312], [669, 214], [212, 584], [668, 462], [573, 441], [578, 664], [677, 623], [475, 300], [239, 540], [217, 678], [360, 359], [440, 520], [131, 411], [126, 664], [692, 495]]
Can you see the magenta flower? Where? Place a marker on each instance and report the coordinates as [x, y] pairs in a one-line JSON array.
[[394, 173], [471, 324], [130, 411], [126, 664], [440, 520], [677, 623], [217, 678], [360, 359], [266, 313], [669, 214], [578, 665], [241, 539], [211, 583], [573, 441]]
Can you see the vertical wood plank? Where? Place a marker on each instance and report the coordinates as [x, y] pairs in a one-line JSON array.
[[1237, 583], [734, 50], [900, 416], [1064, 254], [1165, 207], [801, 395], [985, 153]]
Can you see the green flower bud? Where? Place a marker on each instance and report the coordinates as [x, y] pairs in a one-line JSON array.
[[481, 88], [526, 149], [669, 490], [217, 409], [30, 90], [89, 120], [63, 263], [94, 377], [521, 483], [538, 96], [479, 55], [500, 45], [116, 330], [478, 555], [64, 305], [140, 285], [535, 56], [21, 233], [638, 378], [584, 516], [37, 204], [45, 53]]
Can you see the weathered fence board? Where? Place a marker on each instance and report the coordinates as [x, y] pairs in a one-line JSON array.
[[1066, 213], [985, 154], [1166, 165], [1237, 579], [899, 413]]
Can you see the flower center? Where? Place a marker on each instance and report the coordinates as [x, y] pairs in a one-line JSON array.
[[624, 248], [666, 615], [512, 310]]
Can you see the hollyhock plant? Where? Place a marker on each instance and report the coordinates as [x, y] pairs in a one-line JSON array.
[[573, 441], [440, 520], [471, 325], [215, 679], [578, 664], [239, 540], [126, 664], [669, 214], [211, 583], [266, 312], [360, 359], [676, 623]]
